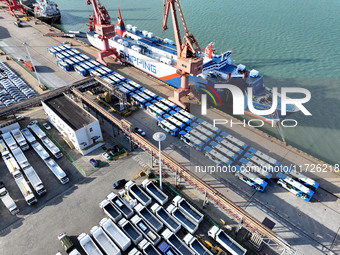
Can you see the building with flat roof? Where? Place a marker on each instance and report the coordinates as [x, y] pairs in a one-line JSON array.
[[74, 123]]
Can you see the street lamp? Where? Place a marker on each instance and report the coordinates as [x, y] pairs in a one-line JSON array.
[[35, 69], [159, 136]]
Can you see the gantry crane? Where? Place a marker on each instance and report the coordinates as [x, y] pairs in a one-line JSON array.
[[100, 23], [188, 63], [13, 5]]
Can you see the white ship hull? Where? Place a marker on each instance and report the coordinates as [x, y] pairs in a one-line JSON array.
[[147, 64]]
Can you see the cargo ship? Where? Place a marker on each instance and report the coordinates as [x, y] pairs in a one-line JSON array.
[[158, 57], [45, 10]]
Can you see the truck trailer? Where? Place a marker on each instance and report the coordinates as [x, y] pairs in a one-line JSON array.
[[155, 192], [226, 241], [7, 200], [115, 233], [57, 171], [139, 194], [20, 139], [107, 245], [34, 179], [88, 245], [9, 140]]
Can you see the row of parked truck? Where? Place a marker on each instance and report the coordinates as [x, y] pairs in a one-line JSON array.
[[151, 229], [12, 146]]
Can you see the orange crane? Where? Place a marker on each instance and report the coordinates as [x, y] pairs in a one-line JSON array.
[[101, 24], [188, 63], [13, 5]]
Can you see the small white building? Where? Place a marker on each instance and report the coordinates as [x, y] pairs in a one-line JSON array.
[[74, 123]]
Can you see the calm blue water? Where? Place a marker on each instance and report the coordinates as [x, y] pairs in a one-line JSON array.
[[291, 43]]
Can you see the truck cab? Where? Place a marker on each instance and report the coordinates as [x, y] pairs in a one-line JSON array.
[[66, 242]]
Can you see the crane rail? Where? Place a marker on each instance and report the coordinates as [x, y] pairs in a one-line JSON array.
[[249, 222]]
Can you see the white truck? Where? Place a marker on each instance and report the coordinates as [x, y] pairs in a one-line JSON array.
[[139, 194], [7, 200], [88, 245], [52, 147], [147, 248], [176, 243], [185, 220], [37, 131], [125, 210], [165, 217], [104, 241], [115, 233], [3, 147], [25, 190], [57, 171], [155, 192], [20, 158], [130, 231], [12, 165], [196, 245], [150, 218], [39, 149], [144, 228], [226, 241], [187, 209], [28, 135], [20, 139], [8, 138], [34, 179], [110, 210]]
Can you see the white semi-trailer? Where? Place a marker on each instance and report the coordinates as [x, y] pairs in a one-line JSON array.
[[34, 179], [139, 194], [20, 158], [37, 131], [155, 192], [188, 209], [147, 248], [88, 245], [11, 164], [196, 245], [115, 233], [151, 219], [176, 243], [3, 147], [125, 210], [226, 241], [185, 220], [25, 190], [20, 139], [57, 171], [8, 138], [107, 245], [130, 231], [39, 149], [110, 210], [143, 227], [165, 217], [52, 147], [7, 200], [28, 135]]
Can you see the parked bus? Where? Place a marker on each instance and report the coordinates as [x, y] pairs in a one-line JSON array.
[[295, 187]]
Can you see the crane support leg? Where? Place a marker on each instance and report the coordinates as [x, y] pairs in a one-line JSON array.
[[181, 92], [106, 52]]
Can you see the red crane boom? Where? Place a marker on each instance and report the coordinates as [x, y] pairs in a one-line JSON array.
[[13, 5], [100, 23], [188, 63]]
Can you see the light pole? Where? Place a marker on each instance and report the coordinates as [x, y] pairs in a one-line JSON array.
[[35, 69], [159, 136]]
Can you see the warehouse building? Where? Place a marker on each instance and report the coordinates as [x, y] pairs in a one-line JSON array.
[[74, 123]]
